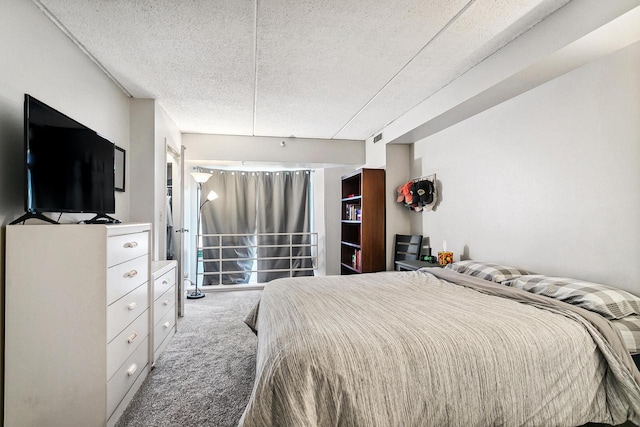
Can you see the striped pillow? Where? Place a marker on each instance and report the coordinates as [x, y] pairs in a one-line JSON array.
[[609, 302], [488, 271], [629, 328]]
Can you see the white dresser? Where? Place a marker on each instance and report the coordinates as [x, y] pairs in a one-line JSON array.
[[78, 322], [165, 314]]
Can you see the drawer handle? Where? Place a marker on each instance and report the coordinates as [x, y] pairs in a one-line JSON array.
[[132, 369], [131, 273], [132, 338], [166, 325], [165, 282], [165, 302], [130, 245], [132, 306]]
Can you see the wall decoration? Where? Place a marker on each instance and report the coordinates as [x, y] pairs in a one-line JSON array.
[[120, 157], [419, 194]]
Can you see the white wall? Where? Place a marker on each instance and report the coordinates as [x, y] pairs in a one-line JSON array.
[[141, 155], [376, 153], [549, 180], [319, 219], [204, 149], [398, 217], [151, 130], [39, 60], [396, 160]]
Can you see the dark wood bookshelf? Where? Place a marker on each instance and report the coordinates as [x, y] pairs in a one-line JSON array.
[[363, 222]]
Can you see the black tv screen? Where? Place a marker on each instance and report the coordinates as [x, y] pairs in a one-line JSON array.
[[69, 167]]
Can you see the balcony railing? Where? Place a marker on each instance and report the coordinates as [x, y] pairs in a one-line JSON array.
[[300, 253]]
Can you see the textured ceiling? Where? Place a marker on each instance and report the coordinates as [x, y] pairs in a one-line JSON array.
[[306, 68]]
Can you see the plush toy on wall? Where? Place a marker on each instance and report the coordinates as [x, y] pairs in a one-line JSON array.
[[418, 194]]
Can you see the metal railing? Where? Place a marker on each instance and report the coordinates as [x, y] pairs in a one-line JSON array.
[[301, 252]]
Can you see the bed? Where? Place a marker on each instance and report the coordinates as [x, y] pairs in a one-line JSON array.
[[433, 347]]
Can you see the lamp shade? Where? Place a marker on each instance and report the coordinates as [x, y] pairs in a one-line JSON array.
[[201, 177], [212, 195]]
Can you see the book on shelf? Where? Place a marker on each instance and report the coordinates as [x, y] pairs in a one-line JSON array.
[[353, 212], [356, 259]]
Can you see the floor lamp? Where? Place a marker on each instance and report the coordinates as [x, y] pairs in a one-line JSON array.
[[200, 178]]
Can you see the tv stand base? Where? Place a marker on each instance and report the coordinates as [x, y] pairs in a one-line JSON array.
[[98, 219], [32, 215]]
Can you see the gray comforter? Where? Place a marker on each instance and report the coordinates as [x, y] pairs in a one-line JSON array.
[[413, 349]]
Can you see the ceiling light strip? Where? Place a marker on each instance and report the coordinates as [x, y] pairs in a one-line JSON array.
[[84, 50], [255, 67], [435, 37]]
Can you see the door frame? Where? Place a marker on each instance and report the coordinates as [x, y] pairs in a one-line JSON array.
[[177, 195]]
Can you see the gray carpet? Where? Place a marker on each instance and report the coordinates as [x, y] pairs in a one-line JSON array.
[[205, 375]]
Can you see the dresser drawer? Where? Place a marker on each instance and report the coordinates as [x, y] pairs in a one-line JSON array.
[[126, 246], [124, 378], [126, 342], [164, 327], [164, 282], [124, 278], [126, 310], [164, 304]]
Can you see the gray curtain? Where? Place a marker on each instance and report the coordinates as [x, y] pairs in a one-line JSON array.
[[256, 202], [284, 207], [233, 212]]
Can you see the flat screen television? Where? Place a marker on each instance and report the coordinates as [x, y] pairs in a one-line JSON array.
[[69, 167]]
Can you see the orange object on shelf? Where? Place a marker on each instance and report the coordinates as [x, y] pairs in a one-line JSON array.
[[445, 258]]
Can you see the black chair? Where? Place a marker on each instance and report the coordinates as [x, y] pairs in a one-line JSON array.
[[407, 248]]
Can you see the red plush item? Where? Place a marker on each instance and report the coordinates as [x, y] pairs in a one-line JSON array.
[[404, 193]]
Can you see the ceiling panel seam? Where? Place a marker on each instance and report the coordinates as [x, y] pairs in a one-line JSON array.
[[83, 49], [255, 66], [435, 37]]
